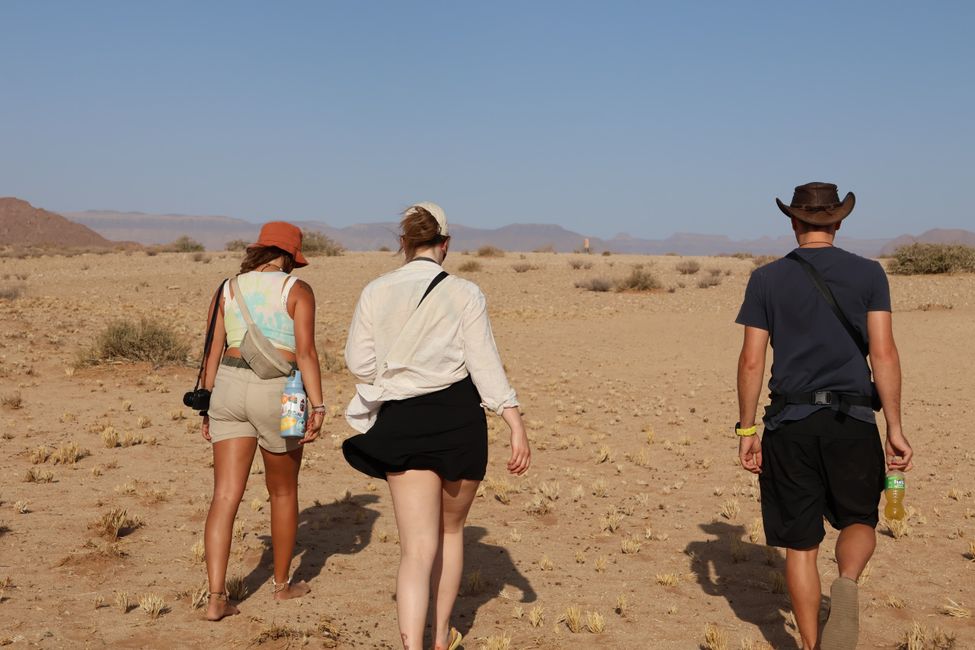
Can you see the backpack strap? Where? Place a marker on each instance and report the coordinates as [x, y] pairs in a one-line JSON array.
[[823, 288], [433, 284]]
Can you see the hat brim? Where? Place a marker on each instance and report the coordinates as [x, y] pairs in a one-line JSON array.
[[823, 217], [300, 259]]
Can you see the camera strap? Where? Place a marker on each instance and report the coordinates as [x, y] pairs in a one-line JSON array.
[[209, 338]]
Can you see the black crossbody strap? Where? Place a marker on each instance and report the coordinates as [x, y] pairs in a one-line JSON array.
[[433, 284], [820, 283], [209, 339]]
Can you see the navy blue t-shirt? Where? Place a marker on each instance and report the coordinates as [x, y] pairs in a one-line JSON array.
[[810, 348]]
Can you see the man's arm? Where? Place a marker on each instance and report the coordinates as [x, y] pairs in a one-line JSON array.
[[886, 365], [751, 370]]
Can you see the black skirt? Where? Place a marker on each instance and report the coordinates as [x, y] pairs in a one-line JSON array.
[[445, 431]]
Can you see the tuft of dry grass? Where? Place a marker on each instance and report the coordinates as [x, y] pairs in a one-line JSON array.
[[110, 437], [667, 579], [546, 564], [200, 597], [500, 642], [114, 524], [579, 264], [954, 610], [629, 545], [12, 401], [714, 638], [122, 602], [730, 509], [470, 266], [776, 582], [11, 291], [572, 617], [536, 616], [595, 622], [522, 267], [69, 454], [709, 281], [898, 527], [236, 587], [39, 455], [38, 475], [153, 605], [622, 605], [639, 279], [199, 552], [919, 637]]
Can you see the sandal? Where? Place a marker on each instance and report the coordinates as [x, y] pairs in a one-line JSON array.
[[454, 639]]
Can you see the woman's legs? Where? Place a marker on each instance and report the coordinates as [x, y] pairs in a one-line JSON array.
[[231, 465], [416, 503], [281, 474], [457, 497]]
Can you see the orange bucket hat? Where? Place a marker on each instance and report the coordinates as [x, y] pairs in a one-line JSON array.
[[282, 235]]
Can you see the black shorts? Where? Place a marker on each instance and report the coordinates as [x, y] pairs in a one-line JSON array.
[[825, 465]]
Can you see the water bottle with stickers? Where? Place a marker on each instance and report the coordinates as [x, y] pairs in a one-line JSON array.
[[294, 405], [894, 492]]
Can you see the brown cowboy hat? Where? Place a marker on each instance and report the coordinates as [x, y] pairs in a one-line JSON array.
[[283, 235], [818, 204]]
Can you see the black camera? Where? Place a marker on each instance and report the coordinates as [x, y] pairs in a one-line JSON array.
[[198, 400]]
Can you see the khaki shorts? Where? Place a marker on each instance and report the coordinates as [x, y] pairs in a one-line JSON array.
[[244, 405]]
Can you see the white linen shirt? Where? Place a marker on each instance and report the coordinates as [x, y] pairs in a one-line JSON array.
[[398, 350]]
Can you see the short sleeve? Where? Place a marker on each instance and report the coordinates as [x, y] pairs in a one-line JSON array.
[[879, 290], [753, 312]]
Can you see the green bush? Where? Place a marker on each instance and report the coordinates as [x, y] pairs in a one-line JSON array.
[[125, 340], [318, 243], [916, 259], [184, 244]]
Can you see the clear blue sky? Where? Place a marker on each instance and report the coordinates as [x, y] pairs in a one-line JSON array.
[[600, 116]]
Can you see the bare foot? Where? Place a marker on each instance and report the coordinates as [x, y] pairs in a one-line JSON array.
[[293, 590], [219, 608]]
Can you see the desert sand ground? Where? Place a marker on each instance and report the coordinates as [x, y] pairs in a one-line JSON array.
[[635, 511]]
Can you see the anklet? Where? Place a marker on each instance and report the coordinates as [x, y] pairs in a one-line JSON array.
[[221, 595], [280, 586]]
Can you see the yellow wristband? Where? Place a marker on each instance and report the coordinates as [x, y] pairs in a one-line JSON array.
[[745, 433]]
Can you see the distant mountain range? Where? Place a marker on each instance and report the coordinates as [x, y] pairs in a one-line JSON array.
[[21, 224], [215, 231]]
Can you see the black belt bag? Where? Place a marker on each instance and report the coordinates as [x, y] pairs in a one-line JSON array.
[[842, 401]]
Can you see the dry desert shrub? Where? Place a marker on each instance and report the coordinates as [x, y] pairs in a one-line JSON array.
[[490, 251], [776, 582], [22, 506], [898, 528], [200, 256], [474, 584], [11, 291], [595, 623], [667, 579], [12, 401], [622, 605], [714, 638], [579, 264], [199, 552], [538, 506], [470, 266], [318, 243], [629, 545], [639, 279], [917, 259], [38, 475], [39, 455], [522, 267], [688, 267], [110, 437], [154, 606], [235, 245], [921, 638], [69, 454], [762, 260], [595, 284], [143, 341], [709, 281], [183, 244], [730, 509]]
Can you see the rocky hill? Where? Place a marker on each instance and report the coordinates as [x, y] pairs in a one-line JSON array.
[[21, 224]]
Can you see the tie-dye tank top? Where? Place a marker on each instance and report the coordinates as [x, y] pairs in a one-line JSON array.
[[266, 294]]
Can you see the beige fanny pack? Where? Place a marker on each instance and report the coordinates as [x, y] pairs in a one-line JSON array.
[[259, 353]]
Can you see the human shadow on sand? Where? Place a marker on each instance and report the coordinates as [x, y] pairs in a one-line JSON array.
[[743, 579], [497, 571], [343, 527]]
